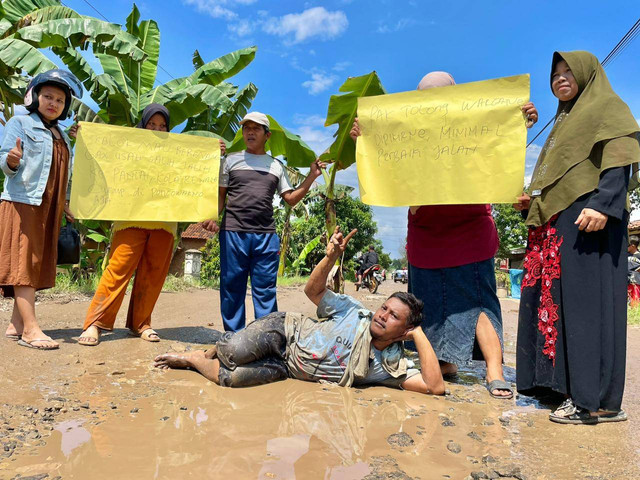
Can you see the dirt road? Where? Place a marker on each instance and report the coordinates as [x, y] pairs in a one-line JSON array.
[[106, 413]]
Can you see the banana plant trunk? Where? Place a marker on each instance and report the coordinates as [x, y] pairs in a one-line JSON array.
[[286, 237], [331, 220]]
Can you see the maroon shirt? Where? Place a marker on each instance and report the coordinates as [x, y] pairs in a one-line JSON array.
[[443, 236]]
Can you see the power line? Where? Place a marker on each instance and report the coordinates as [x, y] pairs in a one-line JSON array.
[[613, 54], [107, 20]]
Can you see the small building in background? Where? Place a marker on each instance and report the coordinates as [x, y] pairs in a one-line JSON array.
[[193, 238]]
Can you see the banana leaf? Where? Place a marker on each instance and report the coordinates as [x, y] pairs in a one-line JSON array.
[[78, 32], [342, 110], [228, 123], [15, 10], [143, 74], [308, 248], [187, 101], [221, 68], [77, 65], [19, 55], [282, 142], [84, 113]]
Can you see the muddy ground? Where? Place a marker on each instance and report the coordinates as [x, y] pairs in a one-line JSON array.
[[106, 413]]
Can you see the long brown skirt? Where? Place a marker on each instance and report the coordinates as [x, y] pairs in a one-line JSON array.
[[29, 233]]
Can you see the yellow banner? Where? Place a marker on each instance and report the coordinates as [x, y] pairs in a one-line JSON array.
[[134, 174], [461, 144]]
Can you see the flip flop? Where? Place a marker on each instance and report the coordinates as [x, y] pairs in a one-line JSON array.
[[24, 343], [499, 385], [12, 336]]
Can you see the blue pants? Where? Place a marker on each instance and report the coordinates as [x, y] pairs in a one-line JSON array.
[[243, 254]]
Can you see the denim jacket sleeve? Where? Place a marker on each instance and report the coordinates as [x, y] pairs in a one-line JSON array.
[[12, 131]]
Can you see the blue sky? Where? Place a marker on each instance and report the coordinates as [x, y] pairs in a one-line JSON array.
[[307, 49]]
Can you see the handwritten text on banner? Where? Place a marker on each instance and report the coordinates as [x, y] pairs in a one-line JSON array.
[[135, 174], [462, 144]]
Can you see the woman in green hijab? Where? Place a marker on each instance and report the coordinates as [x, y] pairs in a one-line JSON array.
[[573, 314]]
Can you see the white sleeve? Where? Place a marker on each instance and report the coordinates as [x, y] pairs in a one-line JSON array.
[[224, 173], [284, 184]]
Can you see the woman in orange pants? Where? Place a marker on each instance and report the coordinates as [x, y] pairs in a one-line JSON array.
[[143, 248]]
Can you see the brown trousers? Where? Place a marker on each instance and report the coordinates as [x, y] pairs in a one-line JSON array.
[[148, 254]]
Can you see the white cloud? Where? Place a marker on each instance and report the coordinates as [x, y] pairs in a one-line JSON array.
[[309, 120], [530, 159], [241, 28], [399, 25], [319, 82], [218, 8], [311, 129], [313, 22], [340, 66]]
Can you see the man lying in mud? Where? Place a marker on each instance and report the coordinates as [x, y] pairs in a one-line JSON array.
[[351, 346]]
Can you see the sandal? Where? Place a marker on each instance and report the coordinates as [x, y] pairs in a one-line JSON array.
[[499, 385], [619, 416], [570, 414], [30, 344], [90, 340], [150, 335], [12, 336]]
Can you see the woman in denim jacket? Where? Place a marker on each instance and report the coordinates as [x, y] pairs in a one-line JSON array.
[[36, 159]]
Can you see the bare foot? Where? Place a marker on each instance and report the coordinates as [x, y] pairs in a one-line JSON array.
[[12, 331], [211, 353], [174, 360], [38, 339]]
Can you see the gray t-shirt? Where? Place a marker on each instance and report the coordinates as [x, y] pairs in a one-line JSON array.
[[320, 349], [252, 181]]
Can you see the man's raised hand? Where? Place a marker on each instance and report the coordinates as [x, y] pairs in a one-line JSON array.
[[338, 242]]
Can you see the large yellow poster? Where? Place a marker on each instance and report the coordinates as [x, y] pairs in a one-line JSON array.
[[461, 144], [123, 173]]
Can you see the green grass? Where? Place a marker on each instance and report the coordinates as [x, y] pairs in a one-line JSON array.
[[68, 283], [633, 315], [292, 281]]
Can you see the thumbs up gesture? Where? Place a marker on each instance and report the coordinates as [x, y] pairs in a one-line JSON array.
[[14, 155]]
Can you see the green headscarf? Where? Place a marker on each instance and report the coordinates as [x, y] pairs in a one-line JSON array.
[[572, 158]]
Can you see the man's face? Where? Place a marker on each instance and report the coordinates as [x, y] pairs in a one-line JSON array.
[[390, 320], [632, 249], [254, 135]]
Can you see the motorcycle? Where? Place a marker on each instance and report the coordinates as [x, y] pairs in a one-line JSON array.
[[371, 279]]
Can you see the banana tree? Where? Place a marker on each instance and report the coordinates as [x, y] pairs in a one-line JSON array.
[[342, 152], [27, 26], [299, 210], [128, 85]]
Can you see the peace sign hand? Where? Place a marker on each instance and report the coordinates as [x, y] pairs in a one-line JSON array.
[[338, 242]]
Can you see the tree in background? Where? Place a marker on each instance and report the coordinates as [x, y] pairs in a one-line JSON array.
[[512, 232]]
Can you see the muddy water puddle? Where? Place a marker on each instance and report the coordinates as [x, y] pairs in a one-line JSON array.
[[151, 424]]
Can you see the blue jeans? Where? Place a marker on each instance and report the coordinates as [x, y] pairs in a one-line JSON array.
[[453, 300], [243, 254]]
